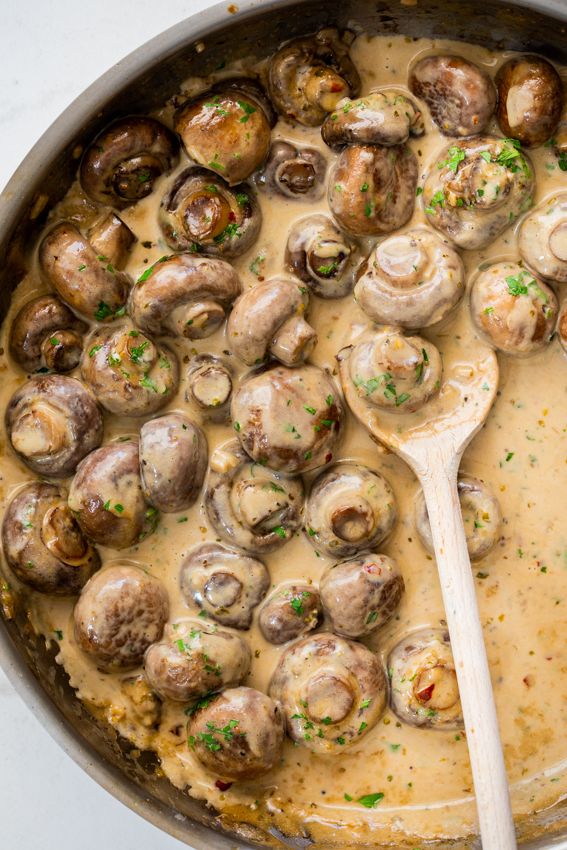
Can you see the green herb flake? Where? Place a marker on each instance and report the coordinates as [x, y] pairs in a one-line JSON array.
[[280, 531], [94, 350], [370, 801], [310, 410]]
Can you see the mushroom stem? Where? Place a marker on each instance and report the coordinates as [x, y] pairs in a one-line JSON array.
[[112, 239], [200, 320], [294, 342]]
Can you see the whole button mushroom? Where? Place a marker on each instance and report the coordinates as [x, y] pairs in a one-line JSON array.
[[321, 256], [350, 508], [129, 373], [184, 296], [203, 214], [530, 97], [291, 611], [514, 310], [209, 387], [362, 594], [288, 419], [46, 335], [238, 735], [308, 76], [482, 517], [477, 189], [269, 320], [294, 172], [43, 545], [121, 611], [542, 239], [411, 279], [253, 508], [112, 238], [227, 129], [223, 583], [194, 658], [372, 189], [379, 118], [107, 499], [123, 163], [53, 421], [461, 96], [173, 461], [332, 692], [424, 689]]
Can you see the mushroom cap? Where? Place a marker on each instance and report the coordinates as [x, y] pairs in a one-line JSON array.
[[412, 279], [42, 543], [121, 611], [321, 256], [288, 419], [332, 692], [173, 461], [112, 238], [384, 117], [224, 583], [290, 612], [52, 422], [46, 334], [294, 172], [530, 97], [542, 239], [209, 387]]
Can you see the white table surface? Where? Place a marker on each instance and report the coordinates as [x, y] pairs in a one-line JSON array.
[[51, 51]]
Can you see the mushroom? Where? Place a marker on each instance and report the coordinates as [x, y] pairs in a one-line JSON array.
[[542, 239], [173, 461], [321, 256], [288, 419], [43, 545], [129, 373], [106, 497], [461, 96], [85, 280], [423, 687], [294, 172], [238, 734], [46, 336], [194, 658], [269, 319], [184, 296], [477, 189], [481, 517], [53, 421], [379, 118], [121, 611], [253, 508], [112, 238], [291, 612], [227, 129], [372, 189], [332, 692], [514, 310], [350, 508], [530, 97], [123, 163], [562, 326], [308, 76], [209, 387], [412, 279], [223, 584], [145, 705], [203, 214]]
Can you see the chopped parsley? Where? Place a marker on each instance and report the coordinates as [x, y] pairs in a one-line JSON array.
[[369, 801], [455, 155], [149, 271], [247, 109]]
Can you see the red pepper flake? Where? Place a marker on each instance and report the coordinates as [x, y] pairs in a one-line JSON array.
[[425, 694], [336, 87], [231, 216], [328, 457], [223, 786]]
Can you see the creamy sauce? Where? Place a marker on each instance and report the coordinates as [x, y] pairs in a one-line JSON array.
[[522, 584]]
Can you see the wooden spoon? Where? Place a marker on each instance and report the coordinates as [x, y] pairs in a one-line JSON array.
[[432, 442]]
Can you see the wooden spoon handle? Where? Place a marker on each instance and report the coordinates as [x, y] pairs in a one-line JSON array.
[[439, 482]]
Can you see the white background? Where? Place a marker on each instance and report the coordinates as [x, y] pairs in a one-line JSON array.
[[51, 51]]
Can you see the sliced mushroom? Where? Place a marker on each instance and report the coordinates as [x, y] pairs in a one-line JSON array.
[[411, 279], [477, 189], [253, 508], [513, 309], [372, 189], [223, 584], [530, 97], [461, 96], [53, 421], [291, 612], [121, 611], [293, 172], [43, 545], [112, 238], [144, 702], [209, 387], [321, 256], [542, 239], [129, 373], [288, 419], [332, 691], [203, 214], [269, 319], [424, 689], [46, 335], [379, 118], [173, 461], [124, 162]]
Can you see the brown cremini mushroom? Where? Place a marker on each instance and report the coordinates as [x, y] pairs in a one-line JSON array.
[[290, 612], [380, 118], [321, 256], [111, 238], [294, 172], [46, 335], [562, 326], [209, 387], [542, 239], [530, 98]]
